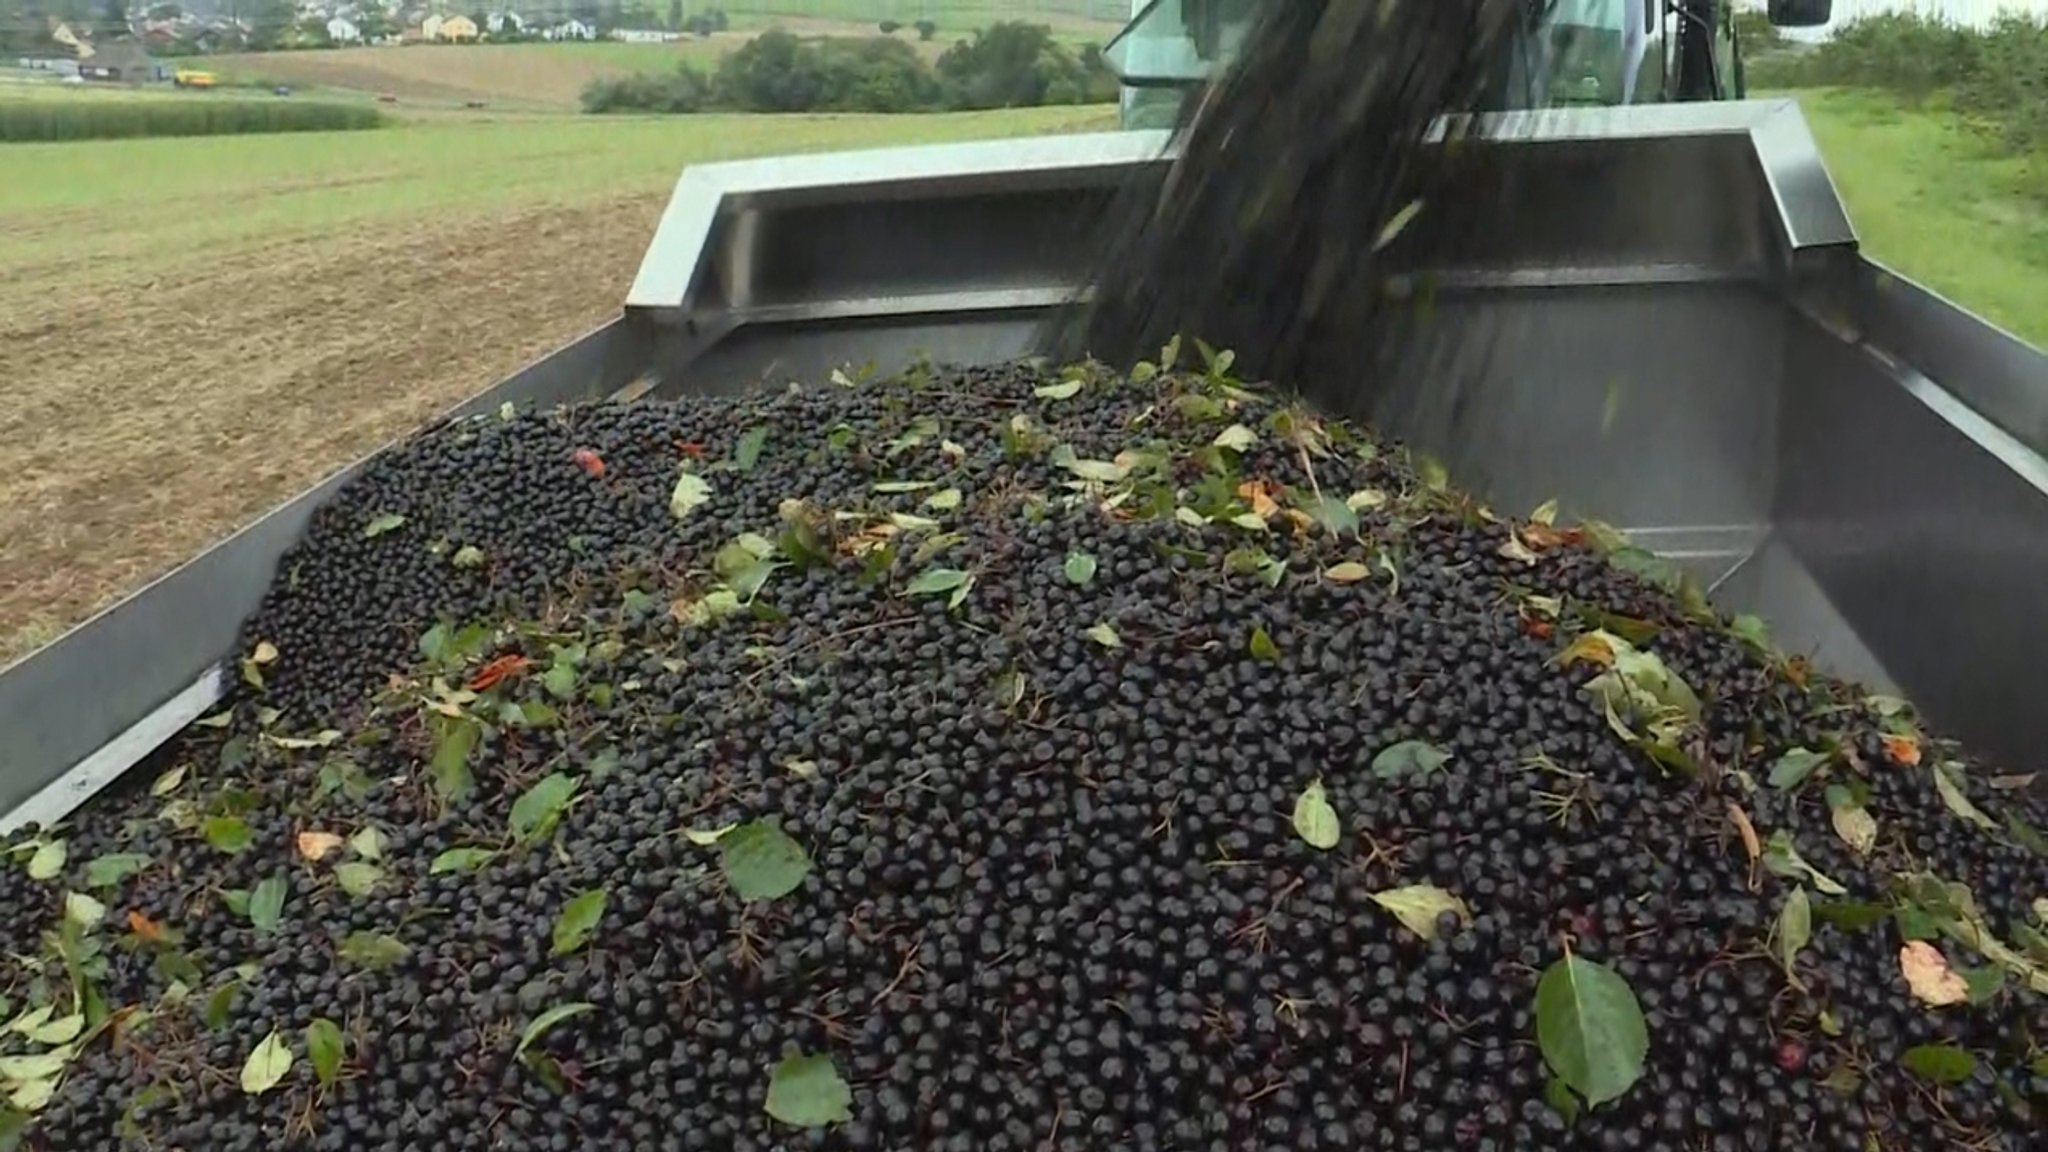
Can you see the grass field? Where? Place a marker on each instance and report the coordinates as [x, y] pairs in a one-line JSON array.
[[192, 330], [1934, 201]]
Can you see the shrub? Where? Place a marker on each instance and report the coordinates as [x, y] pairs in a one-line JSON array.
[[1017, 65], [2008, 85], [1754, 28], [890, 27], [773, 72], [679, 91], [778, 72], [25, 121], [877, 75], [1998, 77], [926, 30]]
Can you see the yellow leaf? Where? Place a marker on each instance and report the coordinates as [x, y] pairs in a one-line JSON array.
[[1854, 824], [1349, 572], [31, 1095], [1592, 648], [1929, 976], [1419, 907], [265, 653]]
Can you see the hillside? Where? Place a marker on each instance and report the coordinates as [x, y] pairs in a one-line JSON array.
[[549, 76]]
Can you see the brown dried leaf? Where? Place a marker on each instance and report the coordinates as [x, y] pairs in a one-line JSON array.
[[873, 537], [314, 845], [1543, 537], [1929, 976], [1750, 843], [1514, 549], [1258, 495]]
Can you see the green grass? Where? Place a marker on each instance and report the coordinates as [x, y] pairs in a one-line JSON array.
[[1934, 200], [39, 120], [158, 201]]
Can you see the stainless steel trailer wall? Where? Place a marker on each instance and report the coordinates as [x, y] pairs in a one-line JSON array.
[[1678, 334]]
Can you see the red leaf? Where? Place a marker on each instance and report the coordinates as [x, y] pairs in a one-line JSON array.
[[502, 668], [690, 448], [1540, 629], [1903, 750], [588, 460]]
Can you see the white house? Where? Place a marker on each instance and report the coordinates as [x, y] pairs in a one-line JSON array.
[[645, 35], [341, 31], [498, 22], [572, 30]]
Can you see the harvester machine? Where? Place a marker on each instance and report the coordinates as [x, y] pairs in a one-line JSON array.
[[1708, 363]]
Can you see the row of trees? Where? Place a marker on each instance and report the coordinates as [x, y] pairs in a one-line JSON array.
[[1007, 65], [1998, 77]]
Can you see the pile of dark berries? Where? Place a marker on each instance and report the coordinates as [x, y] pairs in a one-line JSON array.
[[1014, 759]]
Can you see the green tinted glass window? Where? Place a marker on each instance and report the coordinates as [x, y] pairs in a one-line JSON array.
[[1586, 46], [1180, 41]]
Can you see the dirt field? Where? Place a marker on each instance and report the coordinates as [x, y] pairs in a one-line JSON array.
[[174, 370], [549, 76]]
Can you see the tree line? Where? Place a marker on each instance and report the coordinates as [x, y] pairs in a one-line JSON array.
[[1007, 65]]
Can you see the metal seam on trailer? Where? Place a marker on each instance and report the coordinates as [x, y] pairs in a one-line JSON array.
[[922, 304], [62, 796]]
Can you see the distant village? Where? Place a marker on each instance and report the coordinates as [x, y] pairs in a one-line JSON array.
[[134, 50]]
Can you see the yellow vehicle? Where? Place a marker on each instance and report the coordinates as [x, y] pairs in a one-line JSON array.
[[191, 78]]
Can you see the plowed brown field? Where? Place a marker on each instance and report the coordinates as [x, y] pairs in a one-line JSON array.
[[191, 331]]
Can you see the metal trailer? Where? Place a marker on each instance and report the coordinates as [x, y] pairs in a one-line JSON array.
[[1709, 363]]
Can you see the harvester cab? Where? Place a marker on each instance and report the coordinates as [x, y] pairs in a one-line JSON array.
[[1566, 52]]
